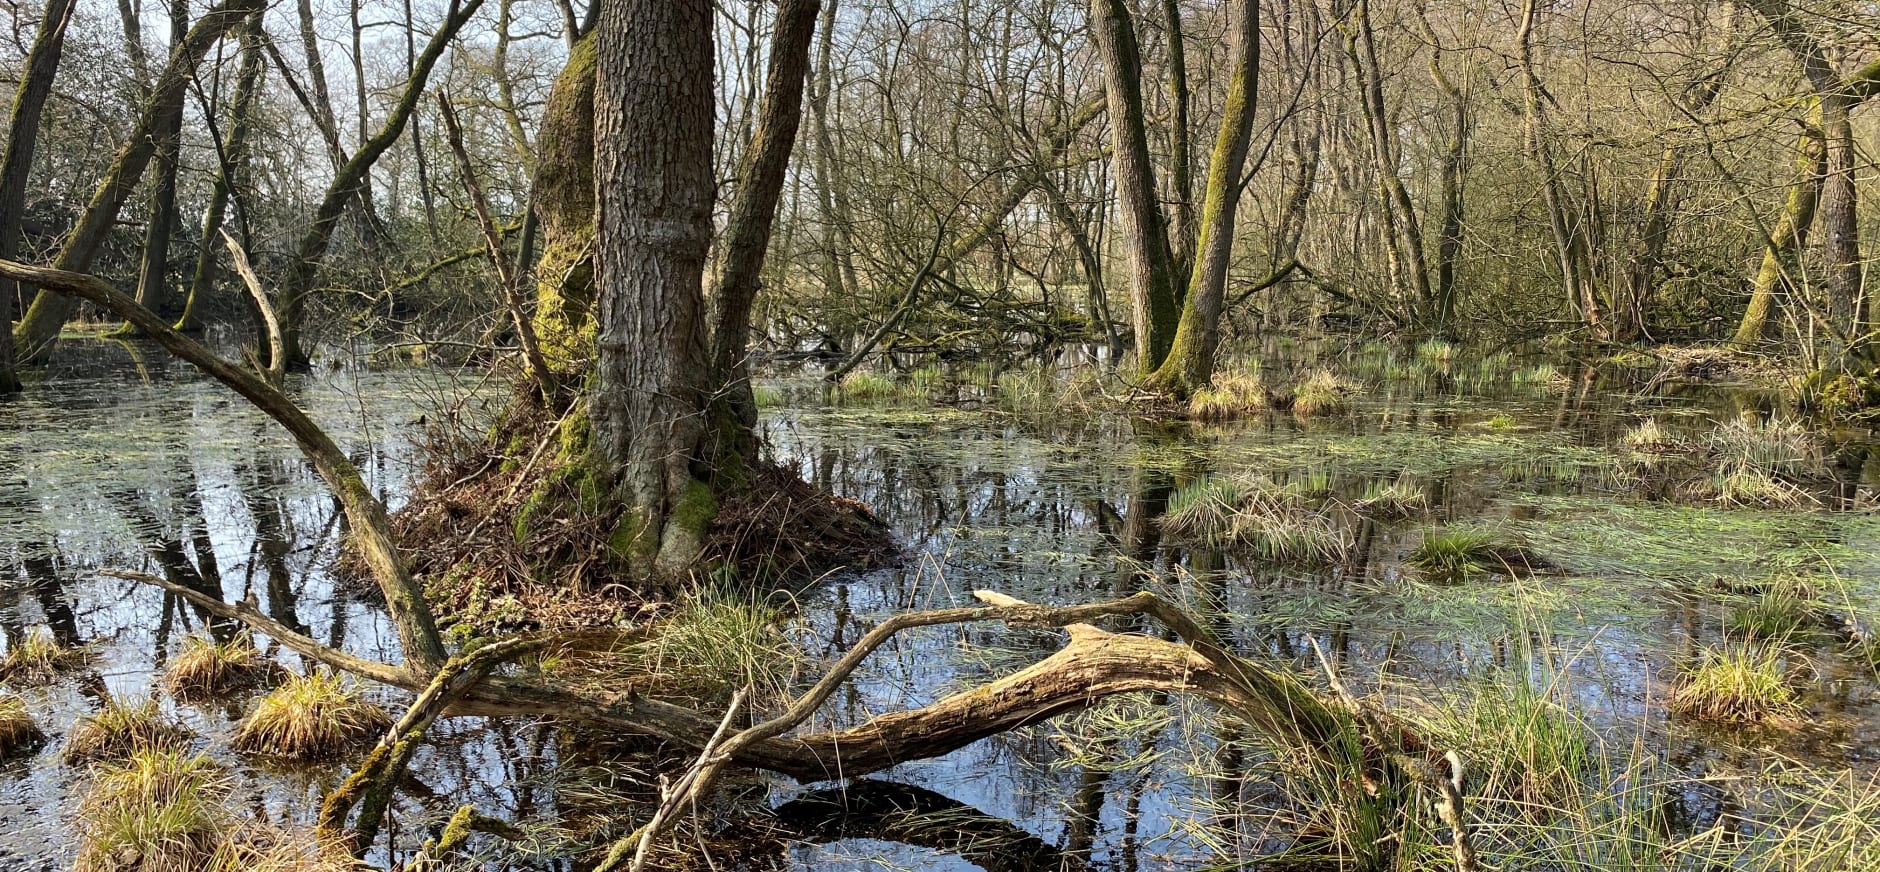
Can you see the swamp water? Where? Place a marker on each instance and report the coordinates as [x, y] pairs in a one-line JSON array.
[[130, 462]]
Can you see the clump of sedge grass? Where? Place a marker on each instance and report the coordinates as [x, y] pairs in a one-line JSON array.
[[1519, 741], [766, 396], [1743, 484], [1779, 448], [1232, 395], [1782, 612], [1436, 350], [124, 727], [18, 732], [1259, 517], [1399, 499], [206, 669], [312, 717], [715, 642], [861, 385], [37, 658], [1322, 393], [155, 811], [1455, 553], [1740, 684], [1649, 438]]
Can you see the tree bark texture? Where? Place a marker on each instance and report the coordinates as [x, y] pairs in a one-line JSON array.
[[653, 128], [1145, 239]]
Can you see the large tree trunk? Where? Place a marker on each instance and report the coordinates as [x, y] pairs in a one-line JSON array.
[[233, 156], [1780, 271], [1152, 268], [654, 196], [1190, 361], [49, 311], [29, 103]]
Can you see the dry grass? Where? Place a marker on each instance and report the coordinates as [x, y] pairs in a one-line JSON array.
[[310, 717], [1749, 486], [1323, 393], [206, 669], [1737, 684], [1233, 395], [125, 727], [1780, 448], [1650, 438], [1397, 500], [156, 811], [38, 659], [18, 732]]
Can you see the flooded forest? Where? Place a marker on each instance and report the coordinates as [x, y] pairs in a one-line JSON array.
[[1016, 435]]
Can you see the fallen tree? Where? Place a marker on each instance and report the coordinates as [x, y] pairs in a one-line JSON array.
[[1370, 759]]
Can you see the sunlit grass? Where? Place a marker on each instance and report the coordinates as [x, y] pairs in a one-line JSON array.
[[1257, 517], [206, 668], [37, 658], [155, 811], [715, 642], [1737, 683], [1455, 553], [1232, 395], [1323, 393], [123, 727], [18, 732], [310, 717]]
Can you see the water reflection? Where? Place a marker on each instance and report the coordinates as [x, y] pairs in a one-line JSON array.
[[157, 468]]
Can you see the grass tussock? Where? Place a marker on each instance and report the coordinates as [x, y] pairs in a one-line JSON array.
[[1456, 553], [1436, 351], [1323, 393], [167, 811], [158, 810], [1650, 437], [38, 659], [1395, 501], [1521, 742], [1783, 612], [1257, 517], [863, 386], [310, 717], [123, 728], [1232, 395], [714, 642], [207, 669], [18, 732], [1738, 684], [1747, 486], [1780, 448]]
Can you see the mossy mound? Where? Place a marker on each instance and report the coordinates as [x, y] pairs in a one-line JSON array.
[[517, 530]]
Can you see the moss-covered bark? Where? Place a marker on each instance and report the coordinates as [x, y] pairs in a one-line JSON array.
[[564, 204]]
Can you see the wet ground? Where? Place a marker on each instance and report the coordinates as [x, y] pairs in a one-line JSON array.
[[121, 459]]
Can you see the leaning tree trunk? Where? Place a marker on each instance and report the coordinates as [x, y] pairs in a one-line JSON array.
[[1190, 361], [747, 236], [1781, 261], [153, 270], [349, 184], [49, 311], [233, 157], [654, 196], [564, 206], [1152, 269], [29, 103]]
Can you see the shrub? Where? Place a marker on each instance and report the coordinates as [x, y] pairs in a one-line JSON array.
[[1737, 684], [124, 727], [310, 717]]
